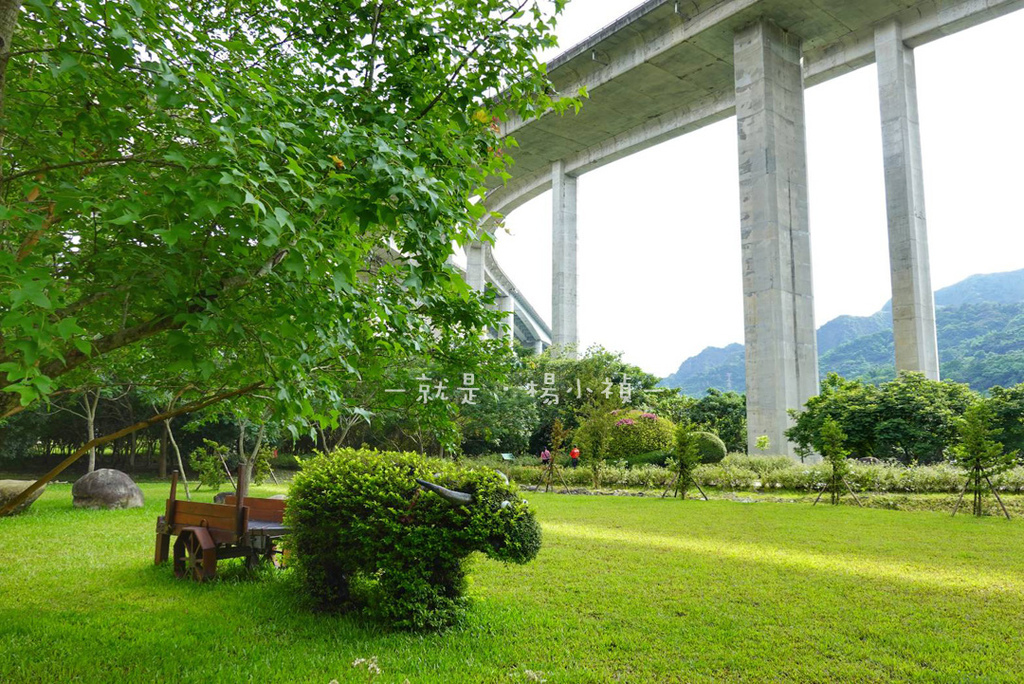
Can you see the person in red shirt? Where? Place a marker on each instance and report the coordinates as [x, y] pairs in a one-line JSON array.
[[575, 456]]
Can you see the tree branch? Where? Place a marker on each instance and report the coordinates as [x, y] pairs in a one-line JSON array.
[[73, 358], [112, 342], [99, 441], [371, 62], [106, 161], [462, 64]]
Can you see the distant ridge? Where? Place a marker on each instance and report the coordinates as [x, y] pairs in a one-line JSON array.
[[980, 323]]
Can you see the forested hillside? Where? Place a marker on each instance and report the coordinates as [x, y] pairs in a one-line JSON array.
[[980, 324]]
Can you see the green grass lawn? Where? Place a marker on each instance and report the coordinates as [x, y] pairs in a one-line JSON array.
[[625, 589]]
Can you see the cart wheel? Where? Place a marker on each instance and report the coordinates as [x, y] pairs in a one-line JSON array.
[[190, 560]]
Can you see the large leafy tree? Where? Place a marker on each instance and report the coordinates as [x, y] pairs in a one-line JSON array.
[[230, 196], [1007, 405], [852, 404], [917, 417], [911, 419]]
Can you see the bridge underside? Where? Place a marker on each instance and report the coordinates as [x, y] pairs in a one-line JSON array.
[[667, 68], [521, 322], [672, 66]]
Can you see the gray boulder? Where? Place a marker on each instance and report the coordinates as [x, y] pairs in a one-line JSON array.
[[106, 488], [12, 488]]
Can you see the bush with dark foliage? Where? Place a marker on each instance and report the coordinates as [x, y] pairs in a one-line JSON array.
[[366, 535]]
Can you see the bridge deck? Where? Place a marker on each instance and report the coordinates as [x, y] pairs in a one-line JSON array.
[[666, 68]]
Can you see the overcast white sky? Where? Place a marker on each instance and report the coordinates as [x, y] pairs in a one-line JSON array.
[[659, 241]]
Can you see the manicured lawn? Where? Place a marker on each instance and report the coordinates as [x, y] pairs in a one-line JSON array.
[[625, 589]]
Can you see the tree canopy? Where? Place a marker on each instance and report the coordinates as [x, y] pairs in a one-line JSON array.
[[222, 194], [910, 419]]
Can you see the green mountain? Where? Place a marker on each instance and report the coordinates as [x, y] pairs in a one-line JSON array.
[[980, 324]]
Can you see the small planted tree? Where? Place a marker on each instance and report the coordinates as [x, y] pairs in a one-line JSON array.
[[558, 436], [687, 454], [208, 462], [980, 454], [835, 453], [593, 436]]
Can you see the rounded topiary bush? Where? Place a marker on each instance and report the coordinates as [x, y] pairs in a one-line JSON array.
[[637, 432], [367, 536], [709, 446]]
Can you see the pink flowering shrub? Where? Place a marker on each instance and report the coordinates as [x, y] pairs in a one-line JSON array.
[[638, 433]]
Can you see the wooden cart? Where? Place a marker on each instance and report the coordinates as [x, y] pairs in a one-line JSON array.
[[239, 528]]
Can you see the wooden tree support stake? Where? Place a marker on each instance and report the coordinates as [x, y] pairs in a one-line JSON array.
[[852, 493], [960, 500], [823, 490], [976, 474], [677, 483], [227, 470], [993, 488], [549, 479]]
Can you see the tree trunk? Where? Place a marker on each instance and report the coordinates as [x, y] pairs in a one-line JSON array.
[[90, 421], [9, 10], [162, 463], [248, 460], [177, 453], [323, 438]]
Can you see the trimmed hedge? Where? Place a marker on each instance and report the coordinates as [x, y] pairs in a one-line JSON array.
[[637, 432], [709, 447], [365, 536], [739, 472]]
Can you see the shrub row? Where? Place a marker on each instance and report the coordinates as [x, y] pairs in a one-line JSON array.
[[738, 472]]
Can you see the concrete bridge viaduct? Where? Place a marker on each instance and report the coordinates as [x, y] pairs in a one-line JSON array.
[[672, 66]]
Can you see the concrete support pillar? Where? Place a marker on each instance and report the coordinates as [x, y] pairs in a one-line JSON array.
[[538, 347], [475, 252], [507, 305], [778, 303], [913, 303], [563, 259]]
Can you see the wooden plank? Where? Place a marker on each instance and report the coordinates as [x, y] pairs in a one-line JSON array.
[[213, 522], [218, 535], [262, 509], [199, 508]]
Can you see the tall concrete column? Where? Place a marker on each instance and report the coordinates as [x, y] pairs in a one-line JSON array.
[[507, 305], [475, 252], [913, 303], [778, 302], [563, 259]]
